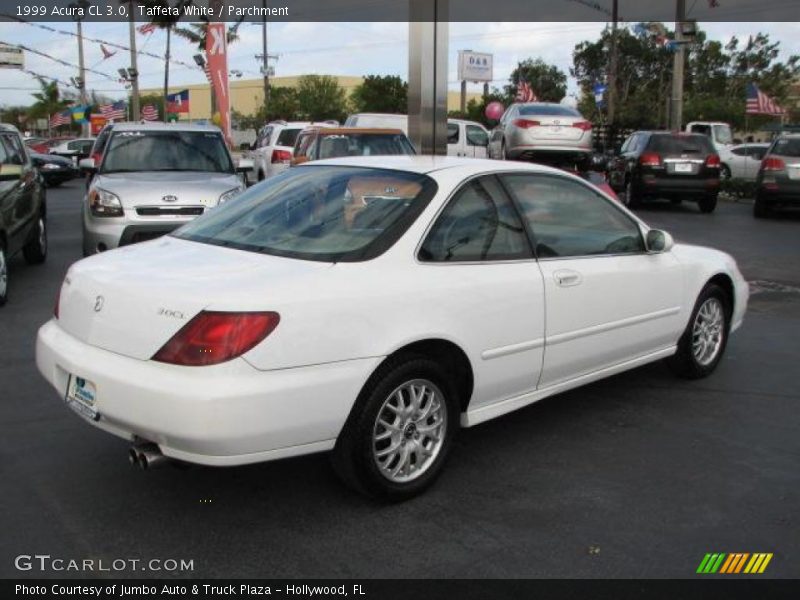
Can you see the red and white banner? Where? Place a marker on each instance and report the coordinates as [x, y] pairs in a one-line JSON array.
[[217, 57]]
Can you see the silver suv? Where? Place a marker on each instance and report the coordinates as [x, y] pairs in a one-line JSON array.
[[154, 178]]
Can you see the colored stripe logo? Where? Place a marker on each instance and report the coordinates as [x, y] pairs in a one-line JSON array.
[[734, 563]]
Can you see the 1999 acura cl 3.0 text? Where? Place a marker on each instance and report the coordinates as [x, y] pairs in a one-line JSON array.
[[371, 306]]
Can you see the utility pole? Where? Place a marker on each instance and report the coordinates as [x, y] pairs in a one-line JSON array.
[[613, 66], [166, 73], [676, 105], [133, 72], [82, 81], [265, 58]]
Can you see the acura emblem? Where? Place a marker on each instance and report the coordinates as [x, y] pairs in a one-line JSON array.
[[169, 198], [98, 303]]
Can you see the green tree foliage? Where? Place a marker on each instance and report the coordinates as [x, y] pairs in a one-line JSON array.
[[716, 75], [476, 109], [387, 94], [48, 100], [283, 104], [197, 33], [320, 97], [548, 82]]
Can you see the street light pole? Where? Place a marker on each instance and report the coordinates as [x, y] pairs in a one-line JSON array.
[[676, 105]]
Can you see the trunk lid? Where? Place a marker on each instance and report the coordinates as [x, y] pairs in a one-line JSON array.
[[132, 300]]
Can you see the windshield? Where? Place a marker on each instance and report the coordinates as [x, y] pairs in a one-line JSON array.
[[318, 213], [167, 151], [787, 147], [548, 110], [287, 137], [363, 144], [722, 134]]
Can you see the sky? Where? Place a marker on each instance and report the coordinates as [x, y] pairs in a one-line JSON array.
[[322, 48]]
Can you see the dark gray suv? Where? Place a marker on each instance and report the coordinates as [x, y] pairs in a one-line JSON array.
[[23, 207]]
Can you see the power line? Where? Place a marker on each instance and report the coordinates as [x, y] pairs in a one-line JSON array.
[[59, 60]]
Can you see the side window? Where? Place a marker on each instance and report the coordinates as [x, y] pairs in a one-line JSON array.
[[12, 152], [476, 136], [303, 144], [626, 145], [757, 153], [452, 133], [741, 151], [568, 218], [478, 224]]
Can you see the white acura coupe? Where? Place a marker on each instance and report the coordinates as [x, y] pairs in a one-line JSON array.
[[371, 306]]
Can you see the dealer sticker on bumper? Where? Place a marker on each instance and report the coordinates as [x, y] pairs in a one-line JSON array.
[[81, 396]]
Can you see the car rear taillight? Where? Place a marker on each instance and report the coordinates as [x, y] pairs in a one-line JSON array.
[[712, 160], [773, 164], [650, 159], [526, 123], [96, 156], [214, 337], [583, 125], [281, 156]]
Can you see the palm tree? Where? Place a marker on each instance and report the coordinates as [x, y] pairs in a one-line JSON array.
[[197, 33], [48, 100], [166, 19]]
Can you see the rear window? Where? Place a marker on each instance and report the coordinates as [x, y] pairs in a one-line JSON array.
[[680, 144], [548, 110], [363, 144], [287, 137], [786, 147], [319, 213]]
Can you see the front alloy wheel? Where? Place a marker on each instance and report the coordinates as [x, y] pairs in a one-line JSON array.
[[703, 342], [35, 251]]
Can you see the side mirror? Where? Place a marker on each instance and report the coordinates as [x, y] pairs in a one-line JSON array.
[[658, 241], [87, 165], [244, 165]]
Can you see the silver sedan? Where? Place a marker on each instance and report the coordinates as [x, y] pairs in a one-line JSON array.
[[541, 130]]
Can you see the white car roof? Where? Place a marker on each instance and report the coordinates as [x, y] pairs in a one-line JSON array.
[[150, 126], [428, 164]]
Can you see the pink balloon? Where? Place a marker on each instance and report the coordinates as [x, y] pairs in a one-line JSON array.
[[494, 110]]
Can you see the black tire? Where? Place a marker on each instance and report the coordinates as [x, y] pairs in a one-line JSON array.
[[684, 363], [675, 201], [761, 208], [724, 172], [631, 197], [707, 204], [260, 176], [3, 274], [353, 456], [35, 251], [503, 153]]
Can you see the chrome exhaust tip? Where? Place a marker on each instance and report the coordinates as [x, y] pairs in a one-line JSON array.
[[147, 456]]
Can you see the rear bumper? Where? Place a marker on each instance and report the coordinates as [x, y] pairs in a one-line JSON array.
[[654, 185], [227, 414], [781, 193]]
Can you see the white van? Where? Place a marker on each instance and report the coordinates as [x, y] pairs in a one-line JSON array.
[[464, 138]]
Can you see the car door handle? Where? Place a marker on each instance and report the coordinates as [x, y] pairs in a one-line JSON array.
[[567, 278]]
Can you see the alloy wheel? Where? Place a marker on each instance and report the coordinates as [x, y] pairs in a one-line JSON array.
[[707, 331], [409, 430]]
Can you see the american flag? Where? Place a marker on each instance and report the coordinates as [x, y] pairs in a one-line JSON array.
[[62, 118], [115, 111], [146, 29], [758, 103], [149, 112], [525, 93]]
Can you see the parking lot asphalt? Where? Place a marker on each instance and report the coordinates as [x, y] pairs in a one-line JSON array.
[[638, 475]]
